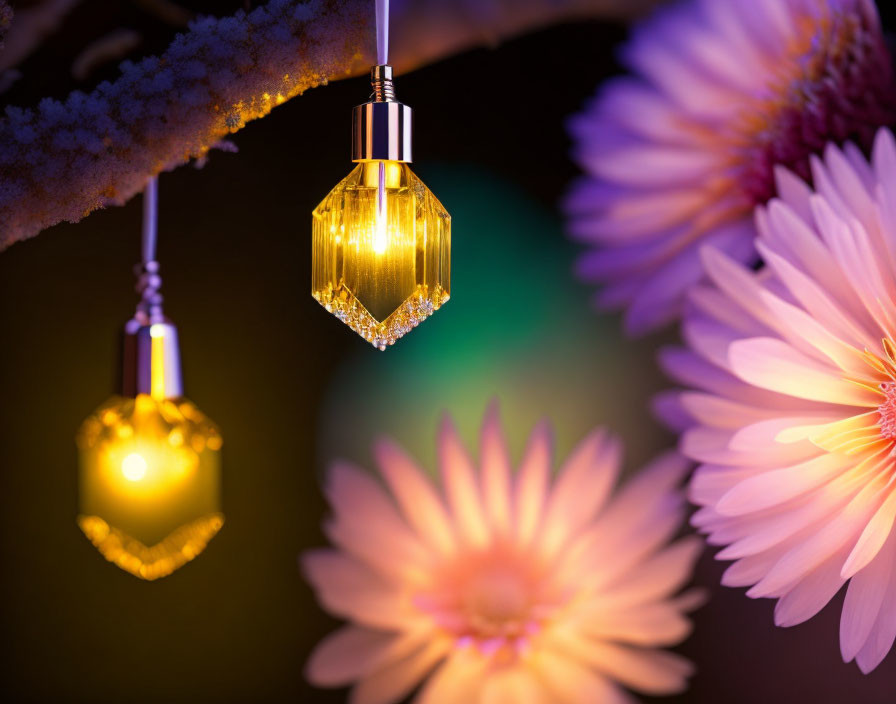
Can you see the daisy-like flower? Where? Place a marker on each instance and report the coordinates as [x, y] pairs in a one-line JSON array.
[[678, 155], [794, 416], [499, 586]]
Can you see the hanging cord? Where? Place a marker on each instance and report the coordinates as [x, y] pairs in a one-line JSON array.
[[149, 309], [382, 32], [382, 58]]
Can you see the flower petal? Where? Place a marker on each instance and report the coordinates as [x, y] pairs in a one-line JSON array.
[[573, 683], [658, 577], [811, 593], [641, 518], [349, 589], [495, 464], [352, 652], [531, 485], [421, 505], [864, 600], [773, 364], [879, 528], [461, 487], [582, 487], [515, 685], [883, 633], [652, 672], [367, 518], [649, 625], [842, 528], [395, 681], [459, 679], [780, 485]]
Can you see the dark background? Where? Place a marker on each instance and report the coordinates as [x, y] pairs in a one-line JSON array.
[[288, 384]]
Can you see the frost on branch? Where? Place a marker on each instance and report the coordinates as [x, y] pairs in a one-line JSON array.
[[63, 160]]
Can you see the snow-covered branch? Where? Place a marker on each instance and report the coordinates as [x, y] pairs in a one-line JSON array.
[[63, 160]]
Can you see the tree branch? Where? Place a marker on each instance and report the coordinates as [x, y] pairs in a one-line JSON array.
[[64, 160]]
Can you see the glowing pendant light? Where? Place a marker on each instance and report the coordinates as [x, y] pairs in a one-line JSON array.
[[381, 250], [149, 459]]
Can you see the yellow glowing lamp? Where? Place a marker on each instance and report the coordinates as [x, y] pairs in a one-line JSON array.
[[150, 460], [381, 242]]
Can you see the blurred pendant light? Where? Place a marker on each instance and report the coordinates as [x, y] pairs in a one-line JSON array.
[[381, 252], [149, 459]]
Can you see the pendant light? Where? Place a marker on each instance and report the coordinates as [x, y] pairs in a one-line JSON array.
[[381, 242], [149, 459]]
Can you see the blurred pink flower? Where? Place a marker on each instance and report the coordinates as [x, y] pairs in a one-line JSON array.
[[498, 586], [678, 155], [794, 416]]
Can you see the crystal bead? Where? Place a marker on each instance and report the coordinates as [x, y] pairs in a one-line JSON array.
[[381, 251]]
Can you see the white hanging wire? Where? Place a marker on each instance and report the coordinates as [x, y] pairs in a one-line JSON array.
[[150, 218], [382, 32], [382, 58], [148, 280]]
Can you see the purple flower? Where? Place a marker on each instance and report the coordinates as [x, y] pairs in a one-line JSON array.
[[793, 407], [678, 155]]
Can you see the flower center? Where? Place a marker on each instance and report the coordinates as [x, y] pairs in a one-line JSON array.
[[495, 601], [844, 90], [887, 410]]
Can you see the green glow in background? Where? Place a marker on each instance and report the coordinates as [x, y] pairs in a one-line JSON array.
[[518, 328]]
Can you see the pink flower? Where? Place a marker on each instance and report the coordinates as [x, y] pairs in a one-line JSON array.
[[794, 412], [678, 155], [502, 586]]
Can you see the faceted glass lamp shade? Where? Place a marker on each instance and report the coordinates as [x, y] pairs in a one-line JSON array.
[[149, 483], [381, 257]]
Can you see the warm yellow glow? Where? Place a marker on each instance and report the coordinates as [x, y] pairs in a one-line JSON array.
[[160, 560], [150, 474], [157, 361], [133, 467], [381, 234], [381, 251]]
